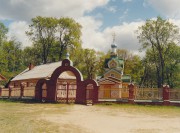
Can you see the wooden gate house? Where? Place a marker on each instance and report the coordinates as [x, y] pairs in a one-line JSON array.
[[57, 82]]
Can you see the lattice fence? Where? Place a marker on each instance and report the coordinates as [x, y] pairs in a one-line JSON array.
[[148, 94], [174, 94], [115, 93]]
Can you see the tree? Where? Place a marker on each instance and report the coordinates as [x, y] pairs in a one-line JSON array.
[[158, 35], [148, 78], [69, 34], [51, 35], [90, 63], [132, 64], [3, 32], [42, 33], [31, 55], [172, 66], [11, 58]]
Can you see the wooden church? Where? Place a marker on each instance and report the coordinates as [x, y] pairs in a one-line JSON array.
[[113, 80]]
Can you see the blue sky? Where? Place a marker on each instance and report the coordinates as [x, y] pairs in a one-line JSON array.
[[116, 12], [99, 18]]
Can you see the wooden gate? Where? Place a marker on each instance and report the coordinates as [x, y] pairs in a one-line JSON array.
[[66, 93], [89, 94], [44, 92]]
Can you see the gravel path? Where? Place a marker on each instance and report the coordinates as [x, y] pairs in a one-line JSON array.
[[95, 119]]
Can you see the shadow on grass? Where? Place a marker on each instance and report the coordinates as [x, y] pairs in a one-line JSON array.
[[18, 100], [28, 101]]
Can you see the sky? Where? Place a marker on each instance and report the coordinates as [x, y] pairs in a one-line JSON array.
[[100, 19]]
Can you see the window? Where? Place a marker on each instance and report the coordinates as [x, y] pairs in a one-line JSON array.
[[112, 75]]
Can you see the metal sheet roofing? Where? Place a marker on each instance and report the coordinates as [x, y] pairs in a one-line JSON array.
[[42, 71]]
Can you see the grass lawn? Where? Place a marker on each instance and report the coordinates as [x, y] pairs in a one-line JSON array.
[[19, 117], [155, 110]]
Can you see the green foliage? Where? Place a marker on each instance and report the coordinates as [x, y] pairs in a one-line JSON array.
[[3, 32], [69, 33], [132, 64], [31, 55], [11, 59], [52, 36], [160, 37]]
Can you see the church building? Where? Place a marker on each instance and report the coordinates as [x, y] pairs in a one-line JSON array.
[[113, 78]]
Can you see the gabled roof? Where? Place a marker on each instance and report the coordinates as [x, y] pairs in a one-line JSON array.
[[126, 78], [2, 77], [114, 69], [119, 61], [112, 80], [42, 71]]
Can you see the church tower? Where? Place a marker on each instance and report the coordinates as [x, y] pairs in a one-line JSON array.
[[113, 77], [113, 48], [113, 83], [114, 66]]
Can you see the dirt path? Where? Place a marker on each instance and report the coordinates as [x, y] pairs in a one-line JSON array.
[[94, 119]]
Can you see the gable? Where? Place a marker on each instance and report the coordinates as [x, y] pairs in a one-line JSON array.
[[41, 71], [109, 80], [112, 63], [113, 73], [106, 81]]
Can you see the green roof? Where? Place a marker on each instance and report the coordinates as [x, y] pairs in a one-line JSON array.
[[126, 78]]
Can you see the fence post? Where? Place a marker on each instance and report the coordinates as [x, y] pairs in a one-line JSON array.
[[0, 91], [10, 89], [166, 100], [131, 93], [22, 90]]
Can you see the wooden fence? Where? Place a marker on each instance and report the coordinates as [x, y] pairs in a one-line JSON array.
[[133, 93], [27, 92], [115, 93], [148, 94], [174, 94]]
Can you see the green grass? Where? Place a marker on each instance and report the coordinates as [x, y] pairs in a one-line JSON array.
[[155, 110], [18, 117]]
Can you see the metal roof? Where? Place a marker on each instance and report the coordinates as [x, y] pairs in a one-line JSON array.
[[43, 71]]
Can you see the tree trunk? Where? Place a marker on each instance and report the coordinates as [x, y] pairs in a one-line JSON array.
[[43, 54]]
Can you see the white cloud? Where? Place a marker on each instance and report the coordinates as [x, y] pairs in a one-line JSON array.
[[168, 8], [125, 13], [91, 36], [112, 9], [25, 10], [17, 29], [21, 11], [125, 35], [127, 0]]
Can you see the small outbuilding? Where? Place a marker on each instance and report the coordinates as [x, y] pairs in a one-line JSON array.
[[57, 82]]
